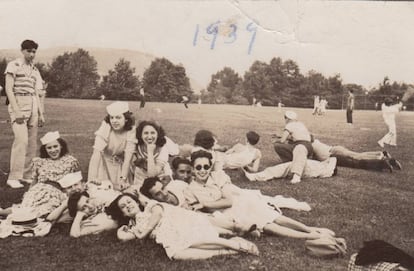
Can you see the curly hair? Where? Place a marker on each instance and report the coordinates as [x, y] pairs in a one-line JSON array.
[[115, 212], [129, 120], [205, 139], [201, 154], [63, 149], [160, 131]]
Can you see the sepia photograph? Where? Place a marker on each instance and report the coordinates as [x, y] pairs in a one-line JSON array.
[[207, 135]]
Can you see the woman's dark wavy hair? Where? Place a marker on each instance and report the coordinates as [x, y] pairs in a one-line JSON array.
[[178, 161], [161, 134], [63, 149], [129, 120], [205, 139], [73, 202], [115, 212], [201, 154]]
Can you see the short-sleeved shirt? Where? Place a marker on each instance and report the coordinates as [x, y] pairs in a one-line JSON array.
[[27, 78], [298, 131]]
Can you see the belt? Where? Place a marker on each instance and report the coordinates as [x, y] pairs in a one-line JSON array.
[[24, 94]]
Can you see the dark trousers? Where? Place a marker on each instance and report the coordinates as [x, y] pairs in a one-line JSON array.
[[349, 115], [142, 99], [370, 164], [285, 150]]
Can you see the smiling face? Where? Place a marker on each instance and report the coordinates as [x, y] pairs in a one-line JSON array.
[[77, 187], [183, 173], [149, 134], [202, 168], [117, 122], [53, 149], [129, 207], [159, 193]]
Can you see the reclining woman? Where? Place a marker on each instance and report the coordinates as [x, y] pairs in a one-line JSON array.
[[184, 234], [152, 153], [213, 191], [114, 147]]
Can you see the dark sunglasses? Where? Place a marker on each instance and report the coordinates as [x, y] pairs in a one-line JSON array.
[[199, 167]]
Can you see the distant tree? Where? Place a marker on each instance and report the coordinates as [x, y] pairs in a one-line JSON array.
[[73, 75], [163, 81], [257, 82], [121, 83], [44, 70], [224, 85]]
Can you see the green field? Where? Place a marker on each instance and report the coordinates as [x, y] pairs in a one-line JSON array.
[[357, 204]]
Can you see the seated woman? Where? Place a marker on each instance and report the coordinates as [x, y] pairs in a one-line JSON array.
[[45, 194], [114, 147], [213, 191], [244, 156], [54, 161], [185, 235], [152, 153]]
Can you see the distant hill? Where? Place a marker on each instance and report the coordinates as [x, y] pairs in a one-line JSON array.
[[106, 59]]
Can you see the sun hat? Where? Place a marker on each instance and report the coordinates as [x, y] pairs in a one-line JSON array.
[[117, 108], [291, 115], [24, 216], [49, 137], [70, 179]]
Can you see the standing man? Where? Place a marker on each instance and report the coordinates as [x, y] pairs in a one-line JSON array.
[[23, 81], [142, 97], [350, 106], [185, 100]]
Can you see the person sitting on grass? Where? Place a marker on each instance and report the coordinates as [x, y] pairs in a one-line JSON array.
[[184, 234], [89, 217], [152, 153], [244, 155], [297, 139]]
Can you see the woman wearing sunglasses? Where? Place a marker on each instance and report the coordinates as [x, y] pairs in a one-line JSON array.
[[213, 191]]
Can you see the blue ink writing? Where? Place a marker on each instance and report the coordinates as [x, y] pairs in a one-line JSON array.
[[251, 28]]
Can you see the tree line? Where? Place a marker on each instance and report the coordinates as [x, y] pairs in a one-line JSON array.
[[75, 75]]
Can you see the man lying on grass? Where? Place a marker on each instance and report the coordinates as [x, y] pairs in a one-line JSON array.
[[89, 216]]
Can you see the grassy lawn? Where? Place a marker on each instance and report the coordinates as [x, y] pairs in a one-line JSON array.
[[357, 204]]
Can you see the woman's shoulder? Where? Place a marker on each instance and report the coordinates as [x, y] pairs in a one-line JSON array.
[[68, 157], [103, 130]]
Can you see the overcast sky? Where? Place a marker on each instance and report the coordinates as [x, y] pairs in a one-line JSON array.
[[361, 40]]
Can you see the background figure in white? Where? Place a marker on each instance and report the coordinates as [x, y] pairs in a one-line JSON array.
[[254, 101], [388, 113], [322, 106], [102, 97], [279, 106], [315, 104]]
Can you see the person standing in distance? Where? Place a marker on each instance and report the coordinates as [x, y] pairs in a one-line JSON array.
[[142, 97], [350, 106], [23, 81]]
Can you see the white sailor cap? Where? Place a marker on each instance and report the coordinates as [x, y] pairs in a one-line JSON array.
[[49, 137], [291, 115], [117, 108]]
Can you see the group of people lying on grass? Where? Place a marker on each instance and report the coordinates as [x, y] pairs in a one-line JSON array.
[[133, 187]]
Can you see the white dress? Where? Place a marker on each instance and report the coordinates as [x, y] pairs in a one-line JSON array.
[[178, 228], [113, 147], [240, 158], [249, 207]]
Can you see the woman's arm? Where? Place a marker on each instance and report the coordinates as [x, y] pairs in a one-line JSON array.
[[55, 214], [156, 214], [255, 164], [151, 166], [75, 229], [126, 165], [93, 166], [226, 200]]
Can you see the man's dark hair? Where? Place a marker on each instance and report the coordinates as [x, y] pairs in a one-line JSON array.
[[252, 137], [29, 44], [147, 185], [73, 202]]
